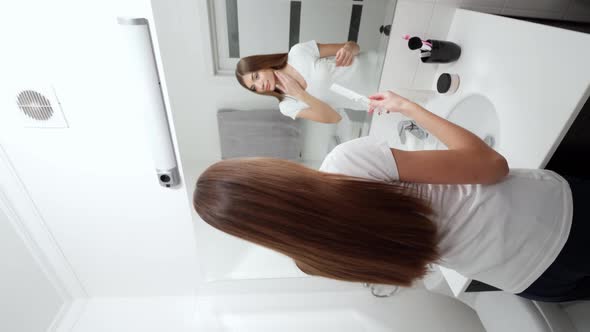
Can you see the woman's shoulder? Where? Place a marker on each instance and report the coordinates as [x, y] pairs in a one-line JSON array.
[[356, 148], [367, 157], [305, 48]]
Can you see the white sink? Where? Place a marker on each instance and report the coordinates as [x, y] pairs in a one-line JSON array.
[[477, 114]]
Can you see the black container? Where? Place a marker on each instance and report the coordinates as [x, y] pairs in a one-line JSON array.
[[415, 43], [442, 52]]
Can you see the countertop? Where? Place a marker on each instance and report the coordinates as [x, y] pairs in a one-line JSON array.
[[537, 77]]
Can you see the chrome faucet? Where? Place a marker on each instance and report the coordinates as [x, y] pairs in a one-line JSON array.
[[413, 128]]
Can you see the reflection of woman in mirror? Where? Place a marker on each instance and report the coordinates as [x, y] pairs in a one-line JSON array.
[[379, 215], [301, 79]]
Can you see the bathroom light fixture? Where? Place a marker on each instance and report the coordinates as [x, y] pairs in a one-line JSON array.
[[140, 48]]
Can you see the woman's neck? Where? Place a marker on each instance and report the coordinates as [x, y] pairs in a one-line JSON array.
[[289, 70]]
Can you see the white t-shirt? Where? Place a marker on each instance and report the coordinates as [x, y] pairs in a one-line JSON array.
[[320, 73], [506, 234]]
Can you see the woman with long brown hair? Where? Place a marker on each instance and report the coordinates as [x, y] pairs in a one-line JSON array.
[[300, 80], [381, 215]]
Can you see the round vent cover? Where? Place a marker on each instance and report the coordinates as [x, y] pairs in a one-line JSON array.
[[34, 105]]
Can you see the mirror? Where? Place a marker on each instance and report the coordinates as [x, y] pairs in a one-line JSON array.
[[241, 28], [244, 28]]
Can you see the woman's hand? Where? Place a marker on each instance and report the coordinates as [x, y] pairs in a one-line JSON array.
[[345, 55], [387, 101], [288, 85]]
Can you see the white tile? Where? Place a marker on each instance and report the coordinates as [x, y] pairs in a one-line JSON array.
[[532, 13], [538, 5], [579, 10], [483, 3]]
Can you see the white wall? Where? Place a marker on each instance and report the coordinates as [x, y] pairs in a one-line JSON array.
[[93, 183], [29, 300]]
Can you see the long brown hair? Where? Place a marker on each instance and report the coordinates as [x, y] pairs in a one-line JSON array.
[[255, 63], [332, 225]]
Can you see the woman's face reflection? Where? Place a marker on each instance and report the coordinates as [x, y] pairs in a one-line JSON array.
[[260, 81]]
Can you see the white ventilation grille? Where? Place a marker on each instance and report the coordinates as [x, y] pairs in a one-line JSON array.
[[39, 108], [34, 105]]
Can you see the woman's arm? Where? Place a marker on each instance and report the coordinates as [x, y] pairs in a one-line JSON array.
[[468, 160], [317, 110], [344, 52]]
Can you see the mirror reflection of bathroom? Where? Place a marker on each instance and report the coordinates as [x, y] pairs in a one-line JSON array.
[[252, 125], [110, 110], [306, 31]]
